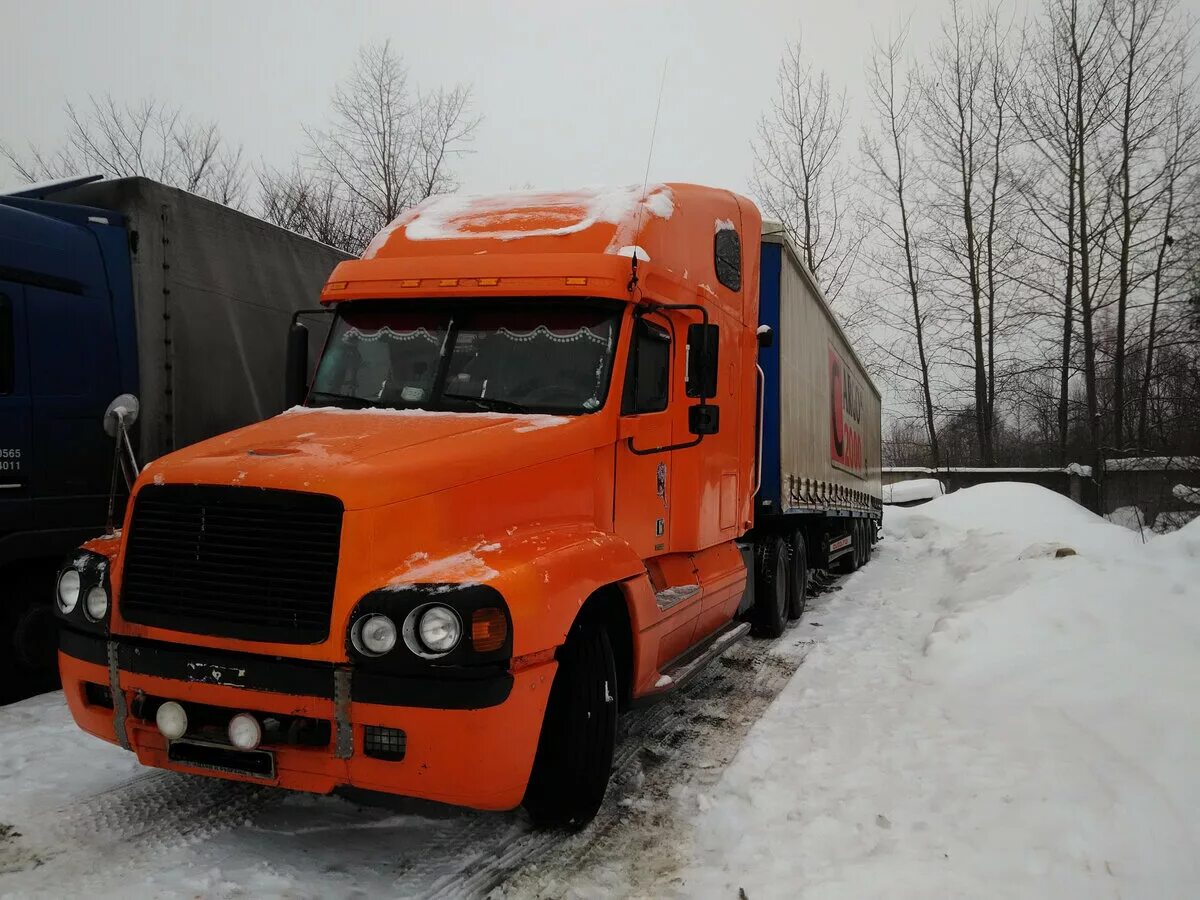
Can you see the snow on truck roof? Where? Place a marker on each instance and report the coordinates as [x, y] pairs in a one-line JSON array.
[[510, 217]]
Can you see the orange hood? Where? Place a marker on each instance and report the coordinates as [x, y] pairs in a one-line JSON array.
[[372, 458]]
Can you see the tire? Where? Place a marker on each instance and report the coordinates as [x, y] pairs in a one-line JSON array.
[[771, 578], [849, 562], [575, 751], [797, 577], [28, 638], [868, 540]]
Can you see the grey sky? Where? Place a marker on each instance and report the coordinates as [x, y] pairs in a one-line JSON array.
[[567, 90]]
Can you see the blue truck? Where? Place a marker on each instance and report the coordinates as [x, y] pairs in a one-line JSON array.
[[130, 289]]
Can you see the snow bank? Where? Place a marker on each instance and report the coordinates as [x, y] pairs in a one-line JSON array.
[[983, 718]]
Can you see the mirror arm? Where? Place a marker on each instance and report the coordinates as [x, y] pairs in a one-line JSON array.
[[704, 318]]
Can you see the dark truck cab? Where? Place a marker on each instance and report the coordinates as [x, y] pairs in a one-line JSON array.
[[110, 288]]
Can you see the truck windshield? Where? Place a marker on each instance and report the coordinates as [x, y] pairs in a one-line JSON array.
[[504, 356]]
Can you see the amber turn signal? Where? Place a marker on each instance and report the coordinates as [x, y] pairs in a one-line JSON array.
[[489, 629]]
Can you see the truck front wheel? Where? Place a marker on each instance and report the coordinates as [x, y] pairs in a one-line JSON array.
[[771, 587], [575, 752]]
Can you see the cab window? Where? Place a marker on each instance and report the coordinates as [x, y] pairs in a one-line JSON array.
[[649, 374]]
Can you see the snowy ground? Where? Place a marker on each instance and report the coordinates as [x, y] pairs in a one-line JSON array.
[[969, 716]]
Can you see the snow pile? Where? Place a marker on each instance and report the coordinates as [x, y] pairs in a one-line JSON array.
[[982, 718], [913, 491]]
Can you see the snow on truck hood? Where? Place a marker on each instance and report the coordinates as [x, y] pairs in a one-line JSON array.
[[372, 457]]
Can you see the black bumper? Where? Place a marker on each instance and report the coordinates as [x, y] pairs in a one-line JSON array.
[[449, 689]]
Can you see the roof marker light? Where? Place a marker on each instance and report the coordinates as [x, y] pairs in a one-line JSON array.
[[410, 282], [335, 286], [575, 279], [488, 282], [448, 282]]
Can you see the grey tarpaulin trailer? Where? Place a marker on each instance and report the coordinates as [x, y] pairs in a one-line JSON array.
[[214, 290]]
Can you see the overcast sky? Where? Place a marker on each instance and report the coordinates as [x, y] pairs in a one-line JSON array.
[[567, 90]]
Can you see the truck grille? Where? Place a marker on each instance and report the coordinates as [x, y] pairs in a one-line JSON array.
[[233, 561]]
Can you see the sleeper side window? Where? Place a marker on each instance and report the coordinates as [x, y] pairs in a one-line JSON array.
[[8, 350], [649, 373], [727, 257]]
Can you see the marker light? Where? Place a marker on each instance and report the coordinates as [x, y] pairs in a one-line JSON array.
[[96, 603], [244, 731], [171, 720], [489, 628], [68, 590]]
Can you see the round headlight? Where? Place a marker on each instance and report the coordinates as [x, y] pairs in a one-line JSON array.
[[374, 635], [244, 731], [96, 603], [68, 590], [439, 629], [171, 720]]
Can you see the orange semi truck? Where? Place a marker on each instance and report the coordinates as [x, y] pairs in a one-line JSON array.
[[558, 452]]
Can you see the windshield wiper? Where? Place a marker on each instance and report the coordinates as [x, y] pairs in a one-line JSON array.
[[360, 402], [489, 403]]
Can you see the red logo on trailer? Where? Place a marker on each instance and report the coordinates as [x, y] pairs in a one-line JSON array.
[[845, 416]]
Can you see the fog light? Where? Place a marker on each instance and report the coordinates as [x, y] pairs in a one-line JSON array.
[[96, 604], [244, 731], [171, 720], [68, 590]]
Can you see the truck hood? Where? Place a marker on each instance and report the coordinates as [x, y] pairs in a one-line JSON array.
[[374, 457]]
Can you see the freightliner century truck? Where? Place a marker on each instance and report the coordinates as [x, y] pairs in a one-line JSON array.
[[560, 450], [122, 289]]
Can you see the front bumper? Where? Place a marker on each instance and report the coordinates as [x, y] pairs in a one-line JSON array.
[[469, 743]]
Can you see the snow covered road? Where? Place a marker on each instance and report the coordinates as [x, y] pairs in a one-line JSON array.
[[971, 715]]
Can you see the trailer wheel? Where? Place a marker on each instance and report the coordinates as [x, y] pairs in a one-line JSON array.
[[868, 540], [771, 579], [797, 577], [575, 752], [849, 563]]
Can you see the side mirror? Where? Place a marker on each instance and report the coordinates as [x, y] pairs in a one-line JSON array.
[[766, 337], [296, 369], [704, 418], [702, 344]]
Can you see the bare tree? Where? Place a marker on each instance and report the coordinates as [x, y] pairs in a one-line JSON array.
[[1148, 50], [799, 175], [889, 161], [389, 146], [309, 204], [963, 129], [149, 139]]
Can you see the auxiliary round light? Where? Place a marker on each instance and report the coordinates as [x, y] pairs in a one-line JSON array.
[[244, 731], [374, 635], [439, 629], [96, 603], [172, 720], [68, 590]]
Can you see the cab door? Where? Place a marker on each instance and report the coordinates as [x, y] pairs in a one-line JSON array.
[[642, 513], [643, 467], [15, 428]]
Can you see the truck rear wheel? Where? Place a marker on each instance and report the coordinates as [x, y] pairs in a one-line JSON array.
[[797, 577], [575, 752], [771, 579]]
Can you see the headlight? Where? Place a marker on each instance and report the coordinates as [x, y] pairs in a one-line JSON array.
[[96, 603], [68, 591], [432, 631], [374, 635]]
